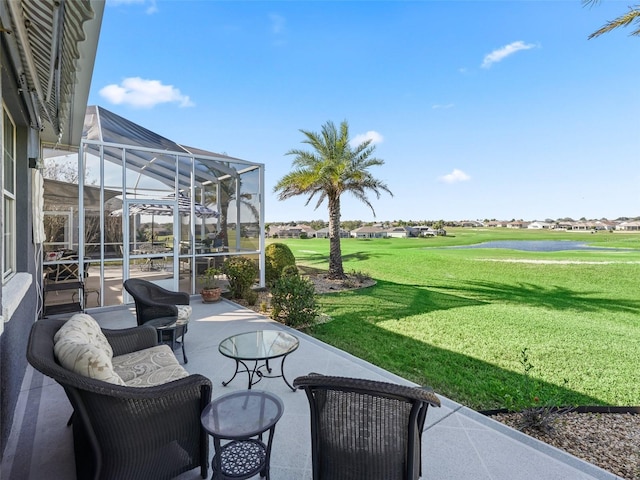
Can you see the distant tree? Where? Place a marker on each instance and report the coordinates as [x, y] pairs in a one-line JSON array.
[[317, 224], [631, 17], [351, 224], [439, 225], [66, 170], [331, 169]]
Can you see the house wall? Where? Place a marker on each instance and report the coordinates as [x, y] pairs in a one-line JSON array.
[[17, 324]]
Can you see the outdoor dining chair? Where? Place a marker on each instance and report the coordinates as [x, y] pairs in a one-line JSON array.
[[365, 429]]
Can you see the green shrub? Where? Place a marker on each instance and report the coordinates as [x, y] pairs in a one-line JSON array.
[[277, 256], [290, 271], [293, 301], [251, 296], [241, 273]]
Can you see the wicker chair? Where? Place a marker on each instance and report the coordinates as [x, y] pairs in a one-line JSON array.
[[364, 429], [153, 301], [128, 432]]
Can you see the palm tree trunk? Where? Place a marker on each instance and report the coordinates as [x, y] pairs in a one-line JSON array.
[[335, 253]]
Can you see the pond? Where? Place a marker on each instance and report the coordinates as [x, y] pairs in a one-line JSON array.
[[539, 245]]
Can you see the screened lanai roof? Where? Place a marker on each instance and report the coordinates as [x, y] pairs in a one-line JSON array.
[[154, 155]]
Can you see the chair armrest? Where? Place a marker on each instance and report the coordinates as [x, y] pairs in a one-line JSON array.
[[131, 339]]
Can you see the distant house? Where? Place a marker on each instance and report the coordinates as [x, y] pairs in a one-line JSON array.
[[540, 225], [369, 232], [497, 223], [581, 226], [471, 224], [401, 232], [424, 231], [565, 225], [629, 226], [517, 224], [324, 233], [605, 225], [287, 231]]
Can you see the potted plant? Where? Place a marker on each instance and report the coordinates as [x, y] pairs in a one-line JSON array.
[[210, 288]]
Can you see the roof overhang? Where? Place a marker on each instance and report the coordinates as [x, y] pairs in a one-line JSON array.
[[52, 44]]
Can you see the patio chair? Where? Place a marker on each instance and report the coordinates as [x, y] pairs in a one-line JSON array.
[[153, 302], [365, 429], [121, 431]]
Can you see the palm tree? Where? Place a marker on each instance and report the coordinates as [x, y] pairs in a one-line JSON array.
[[632, 16], [227, 192], [333, 168]]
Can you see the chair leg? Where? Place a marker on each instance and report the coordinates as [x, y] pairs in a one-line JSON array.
[[183, 333]]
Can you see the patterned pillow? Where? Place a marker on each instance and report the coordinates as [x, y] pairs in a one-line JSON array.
[[151, 366], [86, 324], [184, 314], [80, 346]]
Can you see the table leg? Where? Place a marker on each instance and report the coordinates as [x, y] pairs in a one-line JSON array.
[[282, 372], [267, 464], [250, 373], [216, 462]]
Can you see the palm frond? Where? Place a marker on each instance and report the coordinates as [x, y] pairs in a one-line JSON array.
[[632, 16]]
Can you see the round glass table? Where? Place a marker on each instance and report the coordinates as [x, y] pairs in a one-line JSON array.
[[259, 346], [239, 417]]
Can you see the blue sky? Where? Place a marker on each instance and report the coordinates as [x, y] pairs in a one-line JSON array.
[[479, 109]]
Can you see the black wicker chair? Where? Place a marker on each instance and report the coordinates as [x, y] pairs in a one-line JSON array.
[[364, 429], [153, 301], [128, 432]]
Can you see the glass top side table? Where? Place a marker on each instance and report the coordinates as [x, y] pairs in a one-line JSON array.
[[259, 346], [238, 417]]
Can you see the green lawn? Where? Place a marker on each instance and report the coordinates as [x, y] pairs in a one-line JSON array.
[[457, 319]]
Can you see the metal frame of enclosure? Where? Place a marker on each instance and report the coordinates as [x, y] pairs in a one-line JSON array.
[[142, 198]]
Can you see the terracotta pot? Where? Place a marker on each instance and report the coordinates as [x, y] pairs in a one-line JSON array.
[[210, 295]]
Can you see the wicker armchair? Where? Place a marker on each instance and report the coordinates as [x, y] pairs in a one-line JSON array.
[[128, 432], [364, 429], [153, 301]]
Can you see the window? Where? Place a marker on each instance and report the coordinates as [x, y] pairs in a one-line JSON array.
[[8, 196]]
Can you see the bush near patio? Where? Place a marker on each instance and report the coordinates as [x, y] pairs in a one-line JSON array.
[[457, 319], [241, 273], [293, 299], [277, 257]]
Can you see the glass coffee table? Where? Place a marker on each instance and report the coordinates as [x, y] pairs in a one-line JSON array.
[[258, 347]]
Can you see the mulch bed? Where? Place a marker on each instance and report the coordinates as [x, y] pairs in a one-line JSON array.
[[609, 440]]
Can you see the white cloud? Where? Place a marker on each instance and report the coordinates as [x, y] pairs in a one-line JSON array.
[[455, 176], [444, 107], [372, 135], [138, 92], [503, 52]]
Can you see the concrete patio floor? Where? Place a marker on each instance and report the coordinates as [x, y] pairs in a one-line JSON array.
[[458, 443]]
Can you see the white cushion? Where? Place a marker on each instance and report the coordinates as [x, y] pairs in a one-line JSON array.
[[80, 346]]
